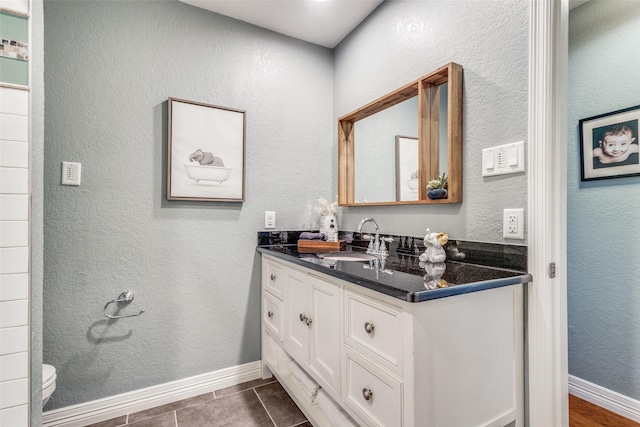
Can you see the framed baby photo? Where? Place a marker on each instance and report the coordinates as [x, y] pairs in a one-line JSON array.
[[206, 159], [609, 145]]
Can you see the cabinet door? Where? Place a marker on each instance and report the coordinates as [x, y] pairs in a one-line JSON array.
[[325, 331], [297, 324]]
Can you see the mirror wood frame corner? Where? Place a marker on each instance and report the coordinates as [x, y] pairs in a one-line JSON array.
[[427, 89]]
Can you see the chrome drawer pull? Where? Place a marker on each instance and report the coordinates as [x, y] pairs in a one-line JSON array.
[[302, 317], [270, 314], [368, 327], [308, 321], [273, 277], [367, 394]]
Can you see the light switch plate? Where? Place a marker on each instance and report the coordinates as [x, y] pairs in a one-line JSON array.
[[71, 173], [503, 159]]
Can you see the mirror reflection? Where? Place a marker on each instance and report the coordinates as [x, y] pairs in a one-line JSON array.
[[375, 151], [386, 152]]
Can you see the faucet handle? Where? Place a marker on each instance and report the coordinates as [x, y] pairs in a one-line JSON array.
[[366, 237], [383, 248], [387, 239]]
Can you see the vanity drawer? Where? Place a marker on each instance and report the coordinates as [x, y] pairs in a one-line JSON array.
[[373, 394], [272, 315], [273, 277], [374, 329]]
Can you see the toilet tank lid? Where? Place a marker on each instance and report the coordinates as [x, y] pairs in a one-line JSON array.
[[48, 372]]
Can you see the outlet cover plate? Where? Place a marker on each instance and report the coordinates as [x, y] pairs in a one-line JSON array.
[[269, 219], [513, 224]]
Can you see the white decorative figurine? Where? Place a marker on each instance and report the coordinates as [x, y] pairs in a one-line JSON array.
[[434, 251]]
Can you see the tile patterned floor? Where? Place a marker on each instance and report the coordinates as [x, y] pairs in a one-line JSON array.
[[259, 403]]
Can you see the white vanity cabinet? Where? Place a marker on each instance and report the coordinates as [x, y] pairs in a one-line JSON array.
[[448, 362]]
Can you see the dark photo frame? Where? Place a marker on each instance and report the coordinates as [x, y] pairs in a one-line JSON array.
[[609, 145], [206, 159]]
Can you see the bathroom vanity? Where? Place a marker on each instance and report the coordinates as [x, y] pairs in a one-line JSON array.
[[386, 350]]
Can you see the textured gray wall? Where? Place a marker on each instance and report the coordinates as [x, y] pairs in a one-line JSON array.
[[36, 44], [110, 67], [604, 217], [403, 40]]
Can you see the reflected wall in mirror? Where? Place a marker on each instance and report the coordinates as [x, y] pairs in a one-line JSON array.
[[375, 154], [389, 149], [406, 168]]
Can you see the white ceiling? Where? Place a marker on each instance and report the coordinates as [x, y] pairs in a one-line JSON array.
[[575, 3], [324, 23]]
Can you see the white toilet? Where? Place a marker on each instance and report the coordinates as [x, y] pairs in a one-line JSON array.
[[48, 382]]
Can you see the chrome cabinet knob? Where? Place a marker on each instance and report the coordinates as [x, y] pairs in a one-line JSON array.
[[273, 277], [304, 319], [367, 394], [270, 314], [368, 327]]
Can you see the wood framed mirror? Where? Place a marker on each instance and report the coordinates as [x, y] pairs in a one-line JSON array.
[[378, 142]]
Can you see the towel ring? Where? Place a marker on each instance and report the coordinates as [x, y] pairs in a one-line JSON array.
[[125, 297]]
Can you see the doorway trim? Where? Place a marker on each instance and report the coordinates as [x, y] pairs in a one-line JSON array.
[[547, 135]]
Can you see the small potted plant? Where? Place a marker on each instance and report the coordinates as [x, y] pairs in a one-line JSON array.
[[437, 188]]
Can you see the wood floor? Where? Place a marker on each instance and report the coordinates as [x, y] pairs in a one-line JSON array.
[[586, 414]]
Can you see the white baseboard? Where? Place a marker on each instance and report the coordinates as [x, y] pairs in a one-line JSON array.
[[150, 397], [605, 398]]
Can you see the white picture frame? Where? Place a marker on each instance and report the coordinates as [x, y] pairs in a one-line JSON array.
[[206, 152]]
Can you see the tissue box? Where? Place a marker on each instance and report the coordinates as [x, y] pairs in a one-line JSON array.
[[311, 246]]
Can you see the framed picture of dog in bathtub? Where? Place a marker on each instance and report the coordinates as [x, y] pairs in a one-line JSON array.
[[206, 159]]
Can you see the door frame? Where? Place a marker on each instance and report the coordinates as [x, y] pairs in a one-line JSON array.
[[547, 354]]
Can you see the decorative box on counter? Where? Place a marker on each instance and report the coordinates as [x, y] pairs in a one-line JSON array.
[[320, 246]]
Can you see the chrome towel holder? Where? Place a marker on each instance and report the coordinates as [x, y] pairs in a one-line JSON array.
[[125, 297]]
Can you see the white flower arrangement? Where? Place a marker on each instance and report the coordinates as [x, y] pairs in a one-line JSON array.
[[325, 207]]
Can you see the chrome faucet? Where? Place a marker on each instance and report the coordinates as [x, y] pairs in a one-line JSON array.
[[374, 244], [377, 244], [364, 221]]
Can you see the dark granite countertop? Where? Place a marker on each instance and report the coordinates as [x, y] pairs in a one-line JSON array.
[[401, 275]]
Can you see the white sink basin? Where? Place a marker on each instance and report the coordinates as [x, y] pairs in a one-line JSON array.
[[346, 256]]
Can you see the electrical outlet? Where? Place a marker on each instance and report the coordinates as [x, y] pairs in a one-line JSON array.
[[513, 224], [269, 219]]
